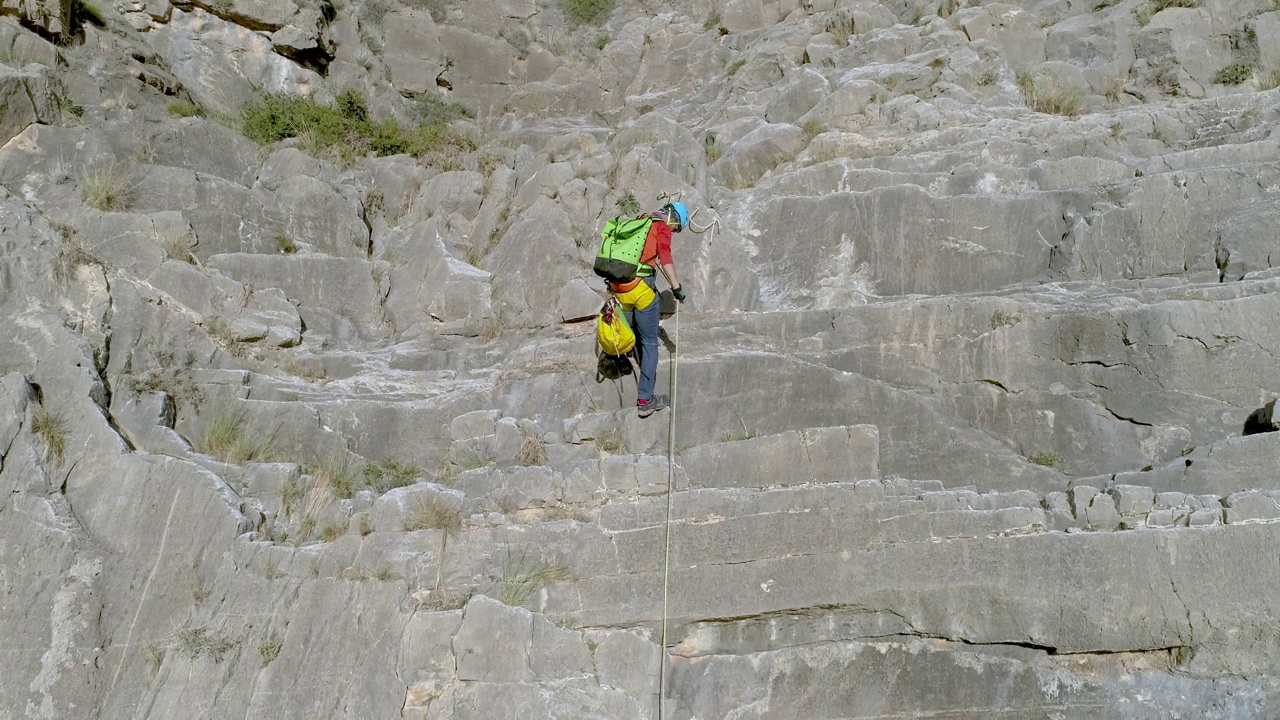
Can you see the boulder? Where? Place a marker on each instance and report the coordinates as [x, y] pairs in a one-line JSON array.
[[225, 216], [197, 46], [757, 153], [51, 16], [315, 215], [413, 51], [27, 96]]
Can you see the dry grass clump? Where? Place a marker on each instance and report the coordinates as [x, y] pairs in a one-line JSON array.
[[71, 254], [179, 248], [523, 574], [109, 188], [52, 429], [203, 641], [533, 451], [389, 474], [431, 512], [1045, 96], [226, 438]]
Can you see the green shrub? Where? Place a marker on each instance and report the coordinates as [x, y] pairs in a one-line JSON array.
[[346, 130], [390, 474], [1049, 459], [183, 108], [582, 12], [1234, 74], [1148, 11], [628, 204]]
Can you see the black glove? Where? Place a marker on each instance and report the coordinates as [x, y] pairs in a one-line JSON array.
[[678, 293]]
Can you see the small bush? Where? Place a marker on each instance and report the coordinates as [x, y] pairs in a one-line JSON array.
[[582, 12], [813, 128], [1001, 318], [1049, 459], [735, 66], [183, 109], [1234, 74], [390, 474], [346, 130], [713, 20], [52, 429], [628, 204]]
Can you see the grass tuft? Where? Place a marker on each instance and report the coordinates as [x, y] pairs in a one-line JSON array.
[[583, 12], [1045, 96], [1049, 459], [178, 248], [109, 188], [203, 641], [533, 451], [184, 109], [72, 254], [269, 649], [523, 574], [52, 429], [226, 438], [431, 512], [389, 474]]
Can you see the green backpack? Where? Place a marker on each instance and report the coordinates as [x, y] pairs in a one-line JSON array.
[[621, 246]]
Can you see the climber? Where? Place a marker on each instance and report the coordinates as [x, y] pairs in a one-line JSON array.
[[639, 297]]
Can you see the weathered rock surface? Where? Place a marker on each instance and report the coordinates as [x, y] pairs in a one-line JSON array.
[[973, 388]]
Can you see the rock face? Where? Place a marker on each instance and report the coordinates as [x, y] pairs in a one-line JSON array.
[[973, 389]]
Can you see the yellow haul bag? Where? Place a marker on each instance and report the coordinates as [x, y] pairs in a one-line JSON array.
[[635, 295], [612, 331]]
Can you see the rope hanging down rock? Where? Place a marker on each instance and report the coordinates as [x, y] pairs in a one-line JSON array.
[[671, 477]]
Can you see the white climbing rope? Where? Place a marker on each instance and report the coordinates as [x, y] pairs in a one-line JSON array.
[[671, 481], [666, 559]]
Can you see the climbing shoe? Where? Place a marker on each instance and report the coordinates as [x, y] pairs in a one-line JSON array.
[[645, 408]]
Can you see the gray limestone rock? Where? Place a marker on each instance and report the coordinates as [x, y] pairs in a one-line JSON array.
[[28, 95]]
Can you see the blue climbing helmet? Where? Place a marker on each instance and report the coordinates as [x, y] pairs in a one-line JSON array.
[[681, 213]]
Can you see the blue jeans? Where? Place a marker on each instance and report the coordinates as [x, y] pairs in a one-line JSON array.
[[644, 323]]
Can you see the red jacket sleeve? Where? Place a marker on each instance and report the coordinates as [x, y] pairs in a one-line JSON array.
[[658, 243]]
